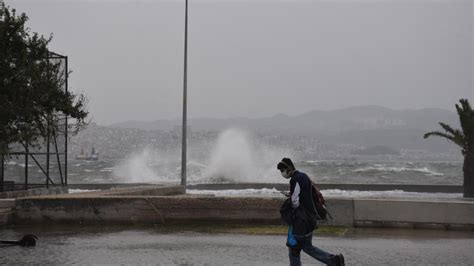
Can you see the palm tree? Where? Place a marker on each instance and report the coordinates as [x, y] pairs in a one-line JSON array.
[[465, 139]]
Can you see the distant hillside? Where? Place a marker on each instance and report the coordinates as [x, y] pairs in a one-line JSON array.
[[316, 122], [362, 126]]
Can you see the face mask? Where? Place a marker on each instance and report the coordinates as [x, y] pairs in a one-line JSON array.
[[285, 174]]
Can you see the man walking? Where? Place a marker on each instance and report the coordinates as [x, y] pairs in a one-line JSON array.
[[304, 217]]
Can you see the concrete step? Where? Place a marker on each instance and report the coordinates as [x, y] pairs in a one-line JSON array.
[[7, 203]]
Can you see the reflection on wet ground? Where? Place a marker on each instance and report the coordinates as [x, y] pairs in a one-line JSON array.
[[149, 245]]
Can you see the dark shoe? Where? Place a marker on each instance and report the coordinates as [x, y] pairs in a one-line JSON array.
[[339, 260]]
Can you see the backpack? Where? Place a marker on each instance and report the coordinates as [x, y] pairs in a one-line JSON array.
[[319, 203]]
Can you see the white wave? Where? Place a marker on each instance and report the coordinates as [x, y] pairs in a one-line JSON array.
[[23, 165], [97, 180], [238, 192], [197, 164], [394, 169], [314, 162], [72, 191], [329, 193], [337, 193]]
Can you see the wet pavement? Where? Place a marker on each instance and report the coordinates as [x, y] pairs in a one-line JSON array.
[[105, 245]]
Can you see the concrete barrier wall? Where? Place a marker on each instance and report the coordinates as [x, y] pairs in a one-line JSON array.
[[129, 210], [414, 212], [6, 206], [186, 208], [33, 192], [342, 211], [145, 191], [5, 217], [149, 190]]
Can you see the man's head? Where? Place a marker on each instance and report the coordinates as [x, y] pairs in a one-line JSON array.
[[286, 167]]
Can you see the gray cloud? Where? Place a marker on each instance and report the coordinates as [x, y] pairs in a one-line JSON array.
[[259, 58]]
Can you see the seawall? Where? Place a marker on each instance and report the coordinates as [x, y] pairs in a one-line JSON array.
[[167, 204]]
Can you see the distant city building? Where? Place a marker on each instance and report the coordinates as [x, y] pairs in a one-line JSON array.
[[178, 129]]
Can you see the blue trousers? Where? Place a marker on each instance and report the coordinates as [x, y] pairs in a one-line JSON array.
[[305, 244]]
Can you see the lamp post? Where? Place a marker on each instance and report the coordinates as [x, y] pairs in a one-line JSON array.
[[185, 92]]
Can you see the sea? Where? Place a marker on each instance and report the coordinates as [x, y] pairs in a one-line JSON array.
[[322, 171]]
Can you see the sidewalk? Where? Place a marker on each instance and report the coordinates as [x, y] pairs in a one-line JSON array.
[[99, 245]]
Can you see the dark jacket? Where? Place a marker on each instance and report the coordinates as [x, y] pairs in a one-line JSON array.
[[304, 213]]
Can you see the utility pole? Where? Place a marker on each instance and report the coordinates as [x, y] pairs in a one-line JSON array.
[[185, 92]]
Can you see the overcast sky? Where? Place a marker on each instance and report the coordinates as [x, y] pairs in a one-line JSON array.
[[259, 58]]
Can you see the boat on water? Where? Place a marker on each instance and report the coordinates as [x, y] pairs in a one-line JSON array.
[[94, 156]]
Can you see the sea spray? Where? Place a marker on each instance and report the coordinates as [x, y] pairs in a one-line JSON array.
[[239, 157], [232, 158], [235, 156], [147, 166], [136, 169]]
